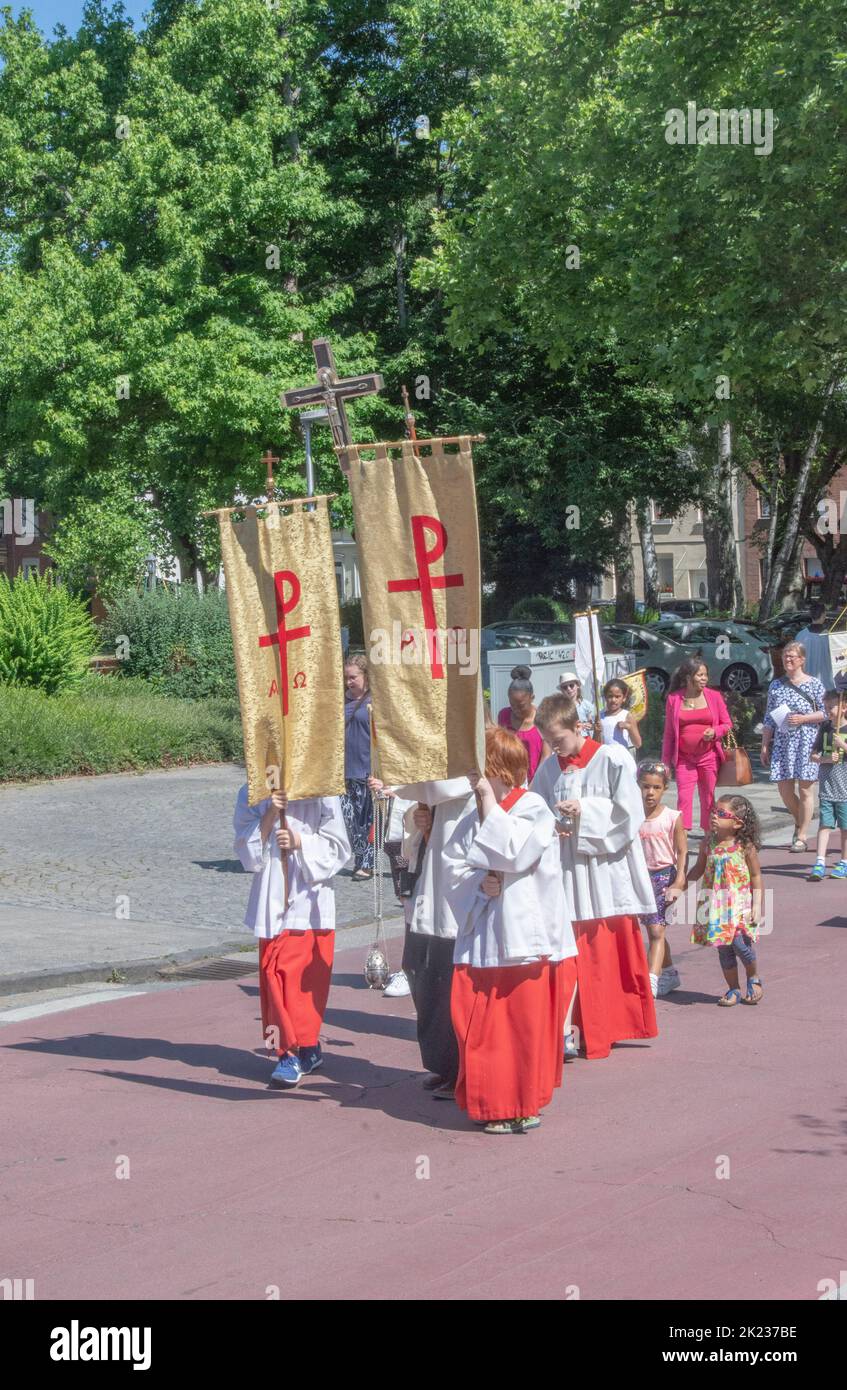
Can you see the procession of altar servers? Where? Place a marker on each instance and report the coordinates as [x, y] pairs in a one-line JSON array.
[[514, 922]]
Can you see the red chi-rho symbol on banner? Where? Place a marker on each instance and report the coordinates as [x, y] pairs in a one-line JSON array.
[[426, 583], [283, 634]]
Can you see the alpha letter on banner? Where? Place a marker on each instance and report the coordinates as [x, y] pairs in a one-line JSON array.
[[283, 611], [418, 543]]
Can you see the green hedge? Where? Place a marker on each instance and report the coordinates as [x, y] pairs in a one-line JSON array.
[[110, 724], [178, 640]]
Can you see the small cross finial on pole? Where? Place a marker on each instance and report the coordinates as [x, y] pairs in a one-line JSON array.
[[269, 459], [411, 429]]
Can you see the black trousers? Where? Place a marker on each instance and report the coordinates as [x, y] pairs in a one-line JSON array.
[[428, 963]]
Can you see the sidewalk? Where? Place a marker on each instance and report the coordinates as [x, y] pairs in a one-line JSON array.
[[121, 876]]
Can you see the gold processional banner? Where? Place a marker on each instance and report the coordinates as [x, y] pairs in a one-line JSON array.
[[283, 611], [637, 682], [418, 544]]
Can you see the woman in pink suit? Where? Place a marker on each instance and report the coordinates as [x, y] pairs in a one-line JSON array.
[[696, 720]]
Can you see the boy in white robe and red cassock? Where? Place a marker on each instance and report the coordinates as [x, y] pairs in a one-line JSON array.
[[297, 941], [594, 792], [515, 952]]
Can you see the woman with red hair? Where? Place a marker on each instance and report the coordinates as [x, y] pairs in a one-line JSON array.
[[514, 970]]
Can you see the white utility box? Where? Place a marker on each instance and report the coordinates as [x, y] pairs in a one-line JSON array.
[[546, 665]]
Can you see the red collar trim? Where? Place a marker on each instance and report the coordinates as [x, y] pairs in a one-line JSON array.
[[511, 798], [583, 757]]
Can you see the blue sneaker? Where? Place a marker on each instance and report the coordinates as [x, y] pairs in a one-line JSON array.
[[817, 872], [840, 870], [311, 1058], [287, 1072]]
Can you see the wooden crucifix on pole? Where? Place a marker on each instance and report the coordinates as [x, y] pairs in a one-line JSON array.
[[332, 391]]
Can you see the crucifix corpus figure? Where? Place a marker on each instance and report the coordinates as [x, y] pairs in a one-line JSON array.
[[332, 391]]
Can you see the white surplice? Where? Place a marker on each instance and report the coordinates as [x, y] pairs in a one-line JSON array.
[[604, 869], [324, 850], [432, 910], [530, 919]]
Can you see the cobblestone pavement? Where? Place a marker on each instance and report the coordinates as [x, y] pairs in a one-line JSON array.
[[156, 846]]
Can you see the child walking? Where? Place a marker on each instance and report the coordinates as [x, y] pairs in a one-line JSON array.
[[829, 750], [665, 844], [295, 928], [616, 721], [728, 913], [515, 953]]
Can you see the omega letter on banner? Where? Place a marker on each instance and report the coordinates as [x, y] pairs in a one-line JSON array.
[[283, 611], [418, 546]]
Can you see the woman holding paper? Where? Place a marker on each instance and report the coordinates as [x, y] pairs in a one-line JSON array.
[[794, 710]]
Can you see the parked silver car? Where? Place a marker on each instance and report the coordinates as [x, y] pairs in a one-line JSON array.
[[655, 653], [737, 657]]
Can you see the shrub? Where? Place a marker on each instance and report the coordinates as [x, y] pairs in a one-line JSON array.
[[47, 636], [178, 640], [110, 724], [538, 609]]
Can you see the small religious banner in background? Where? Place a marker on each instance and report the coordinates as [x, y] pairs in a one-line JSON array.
[[838, 657], [283, 611], [637, 682], [418, 538]]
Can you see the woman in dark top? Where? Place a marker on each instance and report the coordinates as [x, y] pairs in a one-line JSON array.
[[357, 804]]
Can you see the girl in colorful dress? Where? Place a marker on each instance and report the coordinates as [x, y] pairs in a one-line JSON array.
[[519, 718], [665, 844], [729, 910], [618, 725]]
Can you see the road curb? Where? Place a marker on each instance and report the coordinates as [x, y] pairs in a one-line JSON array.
[[138, 971]]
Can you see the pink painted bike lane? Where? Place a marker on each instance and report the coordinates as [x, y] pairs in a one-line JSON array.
[[361, 1185]]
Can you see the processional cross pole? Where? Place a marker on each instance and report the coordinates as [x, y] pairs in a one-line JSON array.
[[332, 391]]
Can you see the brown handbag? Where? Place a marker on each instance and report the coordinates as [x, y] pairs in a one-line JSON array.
[[735, 770]]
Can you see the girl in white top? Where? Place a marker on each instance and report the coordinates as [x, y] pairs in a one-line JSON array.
[[665, 844], [616, 721], [515, 950], [296, 940]]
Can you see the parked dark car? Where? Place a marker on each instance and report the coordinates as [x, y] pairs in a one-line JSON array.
[[684, 607]]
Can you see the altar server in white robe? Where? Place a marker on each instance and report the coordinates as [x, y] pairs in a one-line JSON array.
[[593, 789], [432, 925], [515, 951], [296, 943]]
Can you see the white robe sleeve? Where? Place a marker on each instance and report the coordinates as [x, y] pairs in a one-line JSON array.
[[513, 842], [463, 879], [607, 824], [433, 793], [327, 849], [247, 824]]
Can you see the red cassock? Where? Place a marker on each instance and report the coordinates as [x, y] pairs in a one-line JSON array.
[[509, 1023], [614, 1001], [295, 968]]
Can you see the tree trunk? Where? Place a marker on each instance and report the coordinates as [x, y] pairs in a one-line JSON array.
[[773, 500], [624, 568], [648, 556], [399, 246], [722, 573], [795, 511]]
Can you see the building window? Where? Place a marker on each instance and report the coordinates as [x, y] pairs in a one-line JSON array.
[[339, 581], [31, 566], [764, 504], [665, 563]]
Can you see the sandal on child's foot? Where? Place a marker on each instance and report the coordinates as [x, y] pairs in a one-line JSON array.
[[754, 990], [732, 997], [524, 1123], [499, 1127]]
